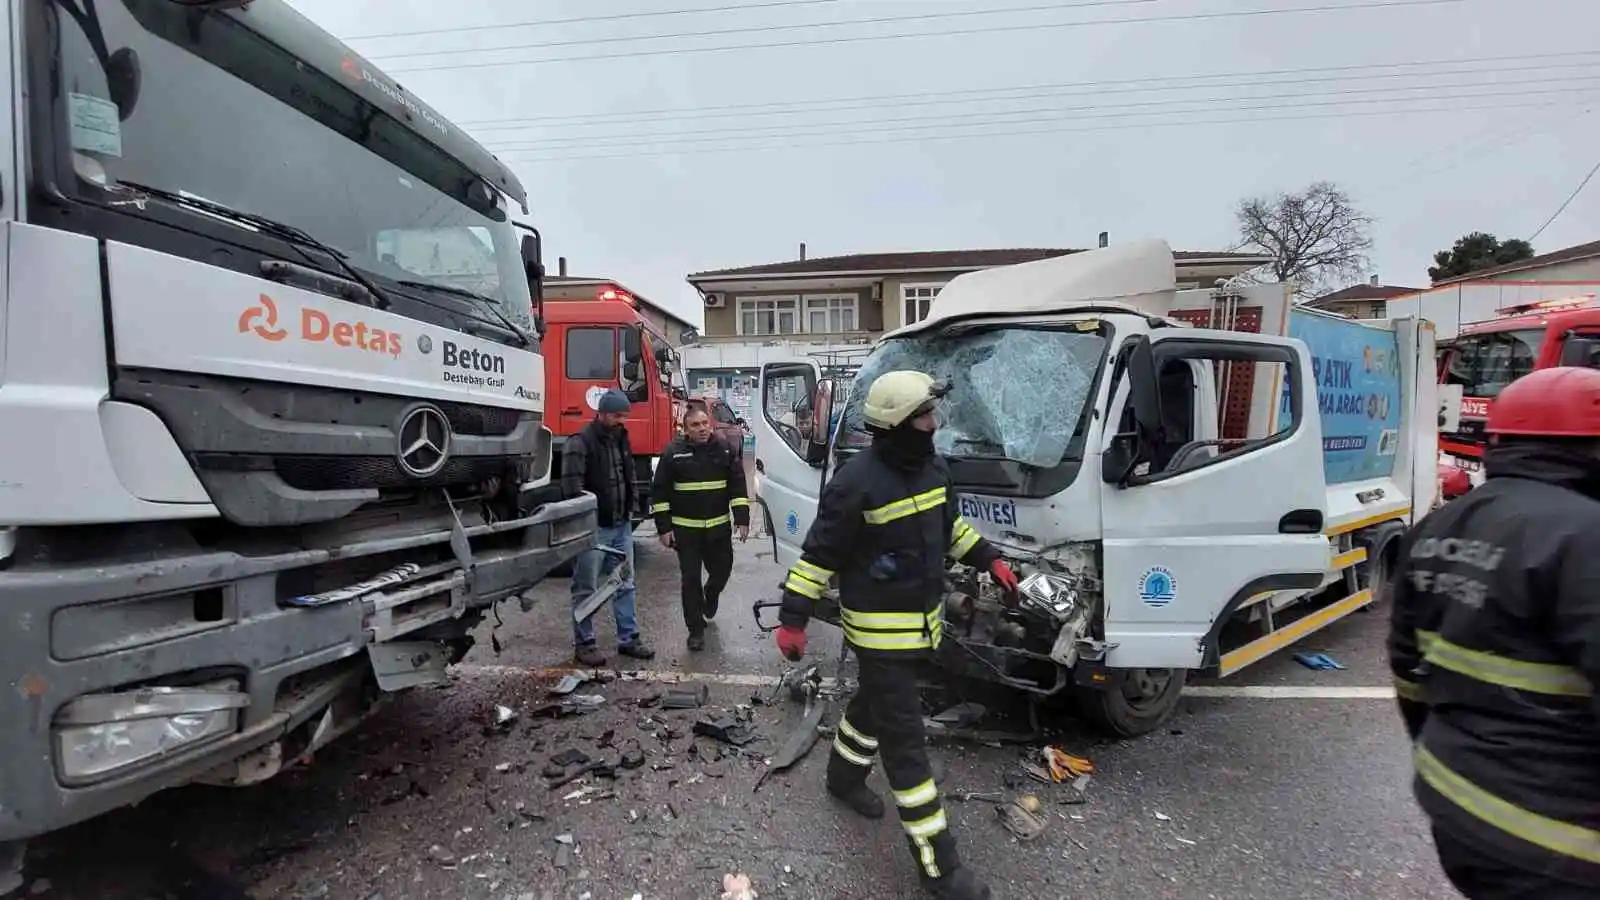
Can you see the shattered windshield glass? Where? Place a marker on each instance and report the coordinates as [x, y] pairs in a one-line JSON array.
[[1016, 393]]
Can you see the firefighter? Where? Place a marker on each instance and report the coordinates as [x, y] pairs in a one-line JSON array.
[[1495, 646], [698, 483], [884, 526]]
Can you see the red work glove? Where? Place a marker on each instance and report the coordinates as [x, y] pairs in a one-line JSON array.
[[792, 642], [1007, 579]]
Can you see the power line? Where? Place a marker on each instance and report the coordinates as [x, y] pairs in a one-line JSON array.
[[575, 20], [995, 29], [788, 107], [827, 129], [967, 107], [1565, 203], [927, 138], [761, 29]]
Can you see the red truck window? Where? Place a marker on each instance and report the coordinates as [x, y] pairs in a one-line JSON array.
[[1483, 364], [591, 354]]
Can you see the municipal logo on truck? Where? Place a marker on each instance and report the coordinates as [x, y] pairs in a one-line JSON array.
[[1157, 587]]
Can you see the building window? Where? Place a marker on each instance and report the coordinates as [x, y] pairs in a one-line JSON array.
[[769, 315], [1380, 309], [918, 300], [830, 314]]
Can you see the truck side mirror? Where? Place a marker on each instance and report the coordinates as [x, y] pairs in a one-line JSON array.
[[663, 354], [533, 265], [821, 422]]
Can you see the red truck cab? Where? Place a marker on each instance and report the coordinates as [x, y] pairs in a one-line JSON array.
[[591, 346], [1486, 356]]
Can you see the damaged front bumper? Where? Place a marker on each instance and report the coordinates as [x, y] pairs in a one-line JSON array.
[[132, 674]]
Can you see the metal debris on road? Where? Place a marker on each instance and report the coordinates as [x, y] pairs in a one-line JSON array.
[[980, 796], [504, 716], [801, 739], [962, 715], [1163, 817], [570, 683], [444, 858], [686, 698]]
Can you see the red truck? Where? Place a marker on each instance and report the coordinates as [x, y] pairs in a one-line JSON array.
[[1486, 356], [593, 345]]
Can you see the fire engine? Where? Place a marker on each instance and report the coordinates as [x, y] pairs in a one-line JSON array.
[[1486, 356]]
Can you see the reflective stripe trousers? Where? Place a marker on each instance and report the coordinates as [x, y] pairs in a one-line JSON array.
[[884, 719], [710, 549]]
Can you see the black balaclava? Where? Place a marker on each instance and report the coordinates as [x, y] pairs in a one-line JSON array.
[[905, 446]]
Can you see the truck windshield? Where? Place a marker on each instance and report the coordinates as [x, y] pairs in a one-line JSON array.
[[1016, 393], [1483, 364], [215, 111]]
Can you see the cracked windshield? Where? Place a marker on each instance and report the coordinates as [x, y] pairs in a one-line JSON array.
[[441, 467], [1015, 393]]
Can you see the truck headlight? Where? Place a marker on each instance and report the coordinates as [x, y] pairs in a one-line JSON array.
[[97, 735], [1053, 595]]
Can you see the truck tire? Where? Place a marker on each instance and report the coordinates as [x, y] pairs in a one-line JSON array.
[[1143, 701]]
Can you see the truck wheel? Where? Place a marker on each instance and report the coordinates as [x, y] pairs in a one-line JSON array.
[[1144, 700]]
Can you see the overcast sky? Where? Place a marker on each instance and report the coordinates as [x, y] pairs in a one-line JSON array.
[[848, 145]]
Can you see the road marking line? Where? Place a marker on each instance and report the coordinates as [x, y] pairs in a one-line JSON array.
[[1236, 691], [1289, 692]]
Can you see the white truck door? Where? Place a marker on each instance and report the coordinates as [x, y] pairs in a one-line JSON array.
[[1200, 526], [789, 483]]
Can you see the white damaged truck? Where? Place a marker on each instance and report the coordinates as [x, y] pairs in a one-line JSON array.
[[271, 397], [1184, 481]]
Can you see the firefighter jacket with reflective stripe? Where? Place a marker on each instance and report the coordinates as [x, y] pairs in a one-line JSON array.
[[885, 532], [1495, 647], [698, 486]]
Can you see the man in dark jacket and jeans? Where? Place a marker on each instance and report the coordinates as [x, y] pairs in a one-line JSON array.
[[1495, 648], [599, 460]]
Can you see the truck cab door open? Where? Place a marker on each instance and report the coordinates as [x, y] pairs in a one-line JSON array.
[[785, 453], [1197, 522]]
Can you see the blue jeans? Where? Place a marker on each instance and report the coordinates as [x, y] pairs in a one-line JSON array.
[[590, 569]]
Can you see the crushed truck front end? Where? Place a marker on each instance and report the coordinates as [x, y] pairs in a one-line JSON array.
[[1119, 456], [272, 401]]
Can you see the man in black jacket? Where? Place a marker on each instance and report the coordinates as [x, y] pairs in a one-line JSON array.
[[698, 483], [599, 460], [1495, 647], [885, 525]]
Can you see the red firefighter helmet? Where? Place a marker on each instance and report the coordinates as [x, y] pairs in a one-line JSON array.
[[1562, 402]]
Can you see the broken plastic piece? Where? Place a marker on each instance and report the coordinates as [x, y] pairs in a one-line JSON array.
[[571, 756], [569, 683], [504, 715], [726, 730], [632, 755], [1318, 661]]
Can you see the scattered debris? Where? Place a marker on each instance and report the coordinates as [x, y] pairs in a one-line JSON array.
[[571, 756], [1080, 787], [1318, 661], [800, 740], [563, 851], [962, 715], [632, 755], [737, 887], [595, 766], [1163, 817], [981, 796], [687, 698], [575, 705], [569, 683], [1030, 803], [504, 716], [1184, 840], [444, 858], [1020, 822], [726, 730]]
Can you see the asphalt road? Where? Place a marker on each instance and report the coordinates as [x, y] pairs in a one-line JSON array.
[[1280, 782]]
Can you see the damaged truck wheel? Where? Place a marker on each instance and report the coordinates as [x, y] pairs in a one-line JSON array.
[[1137, 704]]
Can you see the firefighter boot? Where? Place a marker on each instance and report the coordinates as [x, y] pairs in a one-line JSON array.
[[847, 783], [960, 884]]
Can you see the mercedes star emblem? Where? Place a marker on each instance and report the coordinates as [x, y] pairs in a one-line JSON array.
[[424, 441]]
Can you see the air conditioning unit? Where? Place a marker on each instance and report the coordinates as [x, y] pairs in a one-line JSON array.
[[716, 301]]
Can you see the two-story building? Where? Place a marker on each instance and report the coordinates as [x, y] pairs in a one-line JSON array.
[[757, 314], [1362, 301]]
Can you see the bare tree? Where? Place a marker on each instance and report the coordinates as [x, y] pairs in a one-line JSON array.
[[1316, 238]]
